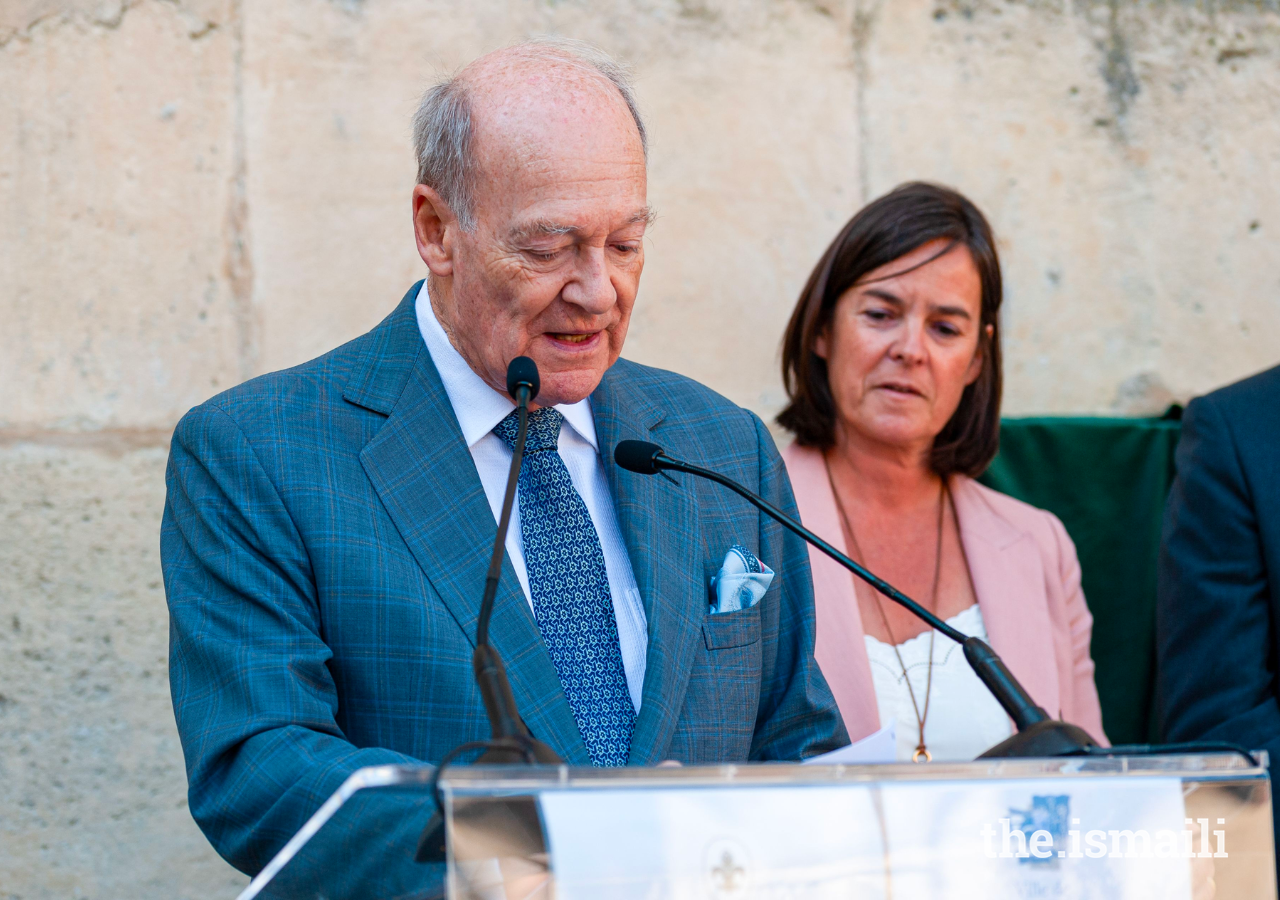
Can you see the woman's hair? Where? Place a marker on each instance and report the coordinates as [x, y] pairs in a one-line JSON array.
[[903, 220]]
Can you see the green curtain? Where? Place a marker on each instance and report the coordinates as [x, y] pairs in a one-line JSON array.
[[1106, 479]]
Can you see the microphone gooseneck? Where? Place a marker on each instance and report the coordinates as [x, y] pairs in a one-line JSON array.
[[649, 459], [510, 742], [522, 385], [1038, 734]]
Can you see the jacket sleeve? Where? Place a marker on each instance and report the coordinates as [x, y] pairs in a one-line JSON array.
[[797, 715], [252, 693], [1216, 672], [1085, 710]]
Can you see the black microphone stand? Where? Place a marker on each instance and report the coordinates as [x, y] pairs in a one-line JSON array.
[[511, 742], [1037, 734]]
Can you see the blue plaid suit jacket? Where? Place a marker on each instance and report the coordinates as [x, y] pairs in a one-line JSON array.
[[324, 544]]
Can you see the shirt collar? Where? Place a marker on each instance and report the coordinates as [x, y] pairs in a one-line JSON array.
[[477, 406]]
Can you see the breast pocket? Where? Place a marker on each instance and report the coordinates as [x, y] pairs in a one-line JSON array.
[[723, 694], [724, 631]]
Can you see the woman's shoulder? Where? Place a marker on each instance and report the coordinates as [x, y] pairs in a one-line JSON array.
[[805, 467], [794, 452], [1007, 514]]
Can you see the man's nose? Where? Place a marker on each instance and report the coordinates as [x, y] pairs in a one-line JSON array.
[[591, 286]]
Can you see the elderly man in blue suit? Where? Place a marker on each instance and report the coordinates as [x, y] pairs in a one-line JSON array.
[[327, 528]]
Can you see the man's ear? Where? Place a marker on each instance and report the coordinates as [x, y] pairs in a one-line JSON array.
[[435, 227], [975, 364]]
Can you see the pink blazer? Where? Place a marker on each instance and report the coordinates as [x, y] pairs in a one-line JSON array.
[[1026, 578]]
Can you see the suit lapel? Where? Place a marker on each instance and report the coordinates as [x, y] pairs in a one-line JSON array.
[[428, 483], [1008, 577], [659, 524]]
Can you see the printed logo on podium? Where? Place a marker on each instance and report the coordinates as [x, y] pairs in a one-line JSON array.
[[726, 866], [1050, 813]]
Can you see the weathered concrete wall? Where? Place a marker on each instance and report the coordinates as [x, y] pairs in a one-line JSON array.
[[92, 799], [195, 192]]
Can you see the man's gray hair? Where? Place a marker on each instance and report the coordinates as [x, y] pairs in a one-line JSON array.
[[442, 125]]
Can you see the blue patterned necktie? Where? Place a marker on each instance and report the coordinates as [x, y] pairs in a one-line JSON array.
[[570, 590]]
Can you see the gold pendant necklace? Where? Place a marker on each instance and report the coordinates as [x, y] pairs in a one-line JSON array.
[[944, 495]]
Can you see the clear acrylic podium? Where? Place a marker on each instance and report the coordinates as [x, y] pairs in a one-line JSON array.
[[1128, 828]]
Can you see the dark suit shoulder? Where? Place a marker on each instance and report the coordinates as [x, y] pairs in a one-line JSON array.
[[292, 386], [682, 396], [317, 387], [1244, 416], [1250, 397], [700, 425]]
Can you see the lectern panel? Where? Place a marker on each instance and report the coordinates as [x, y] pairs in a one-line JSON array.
[[1139, 828]]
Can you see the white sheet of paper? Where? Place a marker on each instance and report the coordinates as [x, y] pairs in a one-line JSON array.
[[881, 747], [724, 842]]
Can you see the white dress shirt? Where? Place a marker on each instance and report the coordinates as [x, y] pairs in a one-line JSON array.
[[479, 408]]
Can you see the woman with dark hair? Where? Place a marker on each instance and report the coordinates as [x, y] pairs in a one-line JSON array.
[[892, 364]]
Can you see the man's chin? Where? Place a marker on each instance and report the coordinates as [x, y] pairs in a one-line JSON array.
[[566, 387]]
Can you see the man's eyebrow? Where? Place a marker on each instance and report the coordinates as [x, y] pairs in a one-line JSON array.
[[550, 228], [541, 228], [645, 214]]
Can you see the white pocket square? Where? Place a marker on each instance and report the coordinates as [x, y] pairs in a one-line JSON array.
[[741, 581]]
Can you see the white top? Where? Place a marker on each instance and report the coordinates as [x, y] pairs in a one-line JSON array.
[[964, 719], [479, 408]]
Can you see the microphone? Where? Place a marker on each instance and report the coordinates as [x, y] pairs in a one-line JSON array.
[[511, 742], [1037, 735]]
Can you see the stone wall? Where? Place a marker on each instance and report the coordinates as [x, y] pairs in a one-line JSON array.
[[196, 191]]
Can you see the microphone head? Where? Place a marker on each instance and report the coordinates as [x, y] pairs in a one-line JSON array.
[[638, 456], [523, 372]]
